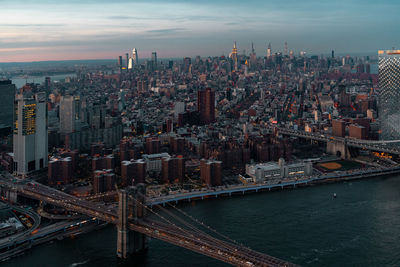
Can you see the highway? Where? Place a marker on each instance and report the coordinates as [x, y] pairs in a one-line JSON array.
[[9, 240], [242, 189], [58, 231]]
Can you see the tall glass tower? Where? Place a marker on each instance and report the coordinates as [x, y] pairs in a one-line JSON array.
[[389, 95], [135, 57], [7, 94]]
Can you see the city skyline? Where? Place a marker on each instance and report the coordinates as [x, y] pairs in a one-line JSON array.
[[74, 30]]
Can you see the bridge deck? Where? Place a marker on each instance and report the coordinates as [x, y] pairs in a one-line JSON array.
[[196, 241]]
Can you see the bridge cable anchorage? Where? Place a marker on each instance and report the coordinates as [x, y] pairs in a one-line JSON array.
[[245, 253]]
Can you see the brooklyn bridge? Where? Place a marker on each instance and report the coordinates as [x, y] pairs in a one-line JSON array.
[[136, 221]]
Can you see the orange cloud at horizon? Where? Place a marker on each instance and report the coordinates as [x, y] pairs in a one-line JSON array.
[[30, 54]]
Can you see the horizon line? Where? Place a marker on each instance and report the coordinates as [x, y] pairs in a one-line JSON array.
[[147, 58]]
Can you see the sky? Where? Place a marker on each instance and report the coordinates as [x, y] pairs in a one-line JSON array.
[[41, 30]]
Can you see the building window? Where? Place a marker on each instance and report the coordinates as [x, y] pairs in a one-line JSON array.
[[41, 163]]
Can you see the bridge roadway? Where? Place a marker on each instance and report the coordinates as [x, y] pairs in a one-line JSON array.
[[196, 241], [379, 146]]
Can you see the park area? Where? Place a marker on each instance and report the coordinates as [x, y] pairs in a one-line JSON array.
[[339, 165]]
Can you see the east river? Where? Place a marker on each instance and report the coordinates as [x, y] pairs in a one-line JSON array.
[[306, 226]]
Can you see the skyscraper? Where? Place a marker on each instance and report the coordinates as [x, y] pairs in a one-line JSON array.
[[135, 57], [7, 94], [30, 133], [127, 60], [47, 83], [269, 51], [154, 60], [206, 105], [253, 57], [130, 63], [286, 49], [187, 62], [120, 62], [234, 56], [389, 95]]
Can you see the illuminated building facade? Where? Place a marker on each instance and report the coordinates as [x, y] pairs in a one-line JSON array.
[[389, 95], [130, 63], [234, 56], [30, 134], [135, 57], [269, 51]]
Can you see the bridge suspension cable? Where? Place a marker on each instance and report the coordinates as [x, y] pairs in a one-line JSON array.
[[241, 250], [206, 237], [198, 222], [194, 228], [206, 226]]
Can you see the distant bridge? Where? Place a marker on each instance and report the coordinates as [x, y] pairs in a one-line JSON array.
[[373, 145]]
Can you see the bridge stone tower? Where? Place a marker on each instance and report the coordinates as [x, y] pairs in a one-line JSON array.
[[338, 147], [130, 209]]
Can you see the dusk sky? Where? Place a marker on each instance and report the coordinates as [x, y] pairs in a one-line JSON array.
[[97, 29]]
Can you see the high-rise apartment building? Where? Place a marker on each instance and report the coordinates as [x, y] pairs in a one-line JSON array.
[[7, 94], [133, 172], [389, 95], [206, 105], [30, 133], [69, 113], [173, 169], [211, 172]]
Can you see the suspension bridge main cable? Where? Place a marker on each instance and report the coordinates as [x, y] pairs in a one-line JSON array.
[[236, 246], [225, 246], [206, 226]]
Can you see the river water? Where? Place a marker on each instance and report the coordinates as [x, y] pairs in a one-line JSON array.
[[307, 226], [21, 81]]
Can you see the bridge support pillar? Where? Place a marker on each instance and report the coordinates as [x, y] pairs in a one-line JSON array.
[[338, 148], [131, 207]]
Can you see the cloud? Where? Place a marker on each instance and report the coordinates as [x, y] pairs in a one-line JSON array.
[[166, 31]]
